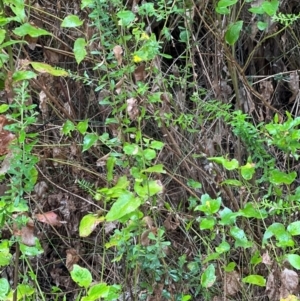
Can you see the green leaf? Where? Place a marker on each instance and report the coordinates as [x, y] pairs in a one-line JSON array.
[[209, 206], [233, 32], [270, 8], [31, 250], [149, 154], [283, 237], [230, 267], [110, 164], [68, 127], [81, 276], [23, 75], [223, 247], [247, 171], [208, 278], [229, 165], [4, 287], [232, 182], [157, 145], [262, 25], [45, 68], [255, 279], [294, 228], [222, 6], [228, 217], [194, 184], [257, 10], [82, 126], [2, 35], [71, 21], [294, 260], [86, 3], [256, 258], [149, 189], [125, 204], [126, 17], [240, 238], [207, 223], [27, 29], [24, 290], [3, 108], [278, 177], [89, 223], [96, 292], [131, 149], [89, 140], [250, 211], [79, 50], [159, 168]]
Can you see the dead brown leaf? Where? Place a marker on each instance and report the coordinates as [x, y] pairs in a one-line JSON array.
[[49, 218], [5, 136], [26, 233], [43, 104], [273, 285], [171, 223], [71, 259], [294, 85], [289, 282], [132, 108], [232, 283], [40, 189], [118, 54], [139, 73], [266, 258]]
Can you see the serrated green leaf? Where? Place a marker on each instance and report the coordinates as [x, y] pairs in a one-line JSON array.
[[45, 68], [125, 204], [89, 140], [68, 127], [255, 280], [79, 50], [81, 276], [71, 21], [208, 278], [89, 223], [278, 177], [233, 32]]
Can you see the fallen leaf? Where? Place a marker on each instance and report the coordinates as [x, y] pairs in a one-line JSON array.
[[49, 218], [289, 282], [132, 108], [40, 189], [71, 259], [139, 73], [266, 258], [26, 233], [118, 54], [5, 136], [171, 223], [43, 103], [232, 283]]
